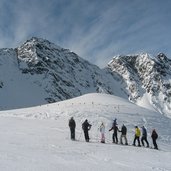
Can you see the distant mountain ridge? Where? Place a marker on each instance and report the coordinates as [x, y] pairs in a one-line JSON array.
[[40, 72], [146, 75]]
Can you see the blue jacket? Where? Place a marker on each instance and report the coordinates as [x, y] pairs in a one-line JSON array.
[[144, 132]]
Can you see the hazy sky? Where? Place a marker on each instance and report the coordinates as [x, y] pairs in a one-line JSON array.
[[96, 30]]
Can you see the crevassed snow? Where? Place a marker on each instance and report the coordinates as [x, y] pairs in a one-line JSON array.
[[39, 139]]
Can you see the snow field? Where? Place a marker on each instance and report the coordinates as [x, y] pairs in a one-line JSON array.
[[39, 139]]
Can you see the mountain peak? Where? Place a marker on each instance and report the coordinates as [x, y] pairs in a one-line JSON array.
[[49, 73], [37, 50], [35, 41]]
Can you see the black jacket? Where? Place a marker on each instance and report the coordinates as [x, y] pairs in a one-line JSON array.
[[144, 132], [86, 126], [154, 135], [123, 130], [115, 129], [72, 123]]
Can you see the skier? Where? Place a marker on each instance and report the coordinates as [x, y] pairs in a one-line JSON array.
[[72, 126], [115, 132], [154, 137], [86, 127], [123, 134], [137, 136], [102, 131], [144, 136]]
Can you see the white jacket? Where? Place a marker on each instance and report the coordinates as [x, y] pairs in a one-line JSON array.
[[102, 128]]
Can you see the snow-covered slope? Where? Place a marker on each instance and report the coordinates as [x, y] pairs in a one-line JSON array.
[[17, 89], [38, 72], [146, 77], [39, 139]]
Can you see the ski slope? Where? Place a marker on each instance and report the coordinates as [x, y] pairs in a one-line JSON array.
[[38, 138]]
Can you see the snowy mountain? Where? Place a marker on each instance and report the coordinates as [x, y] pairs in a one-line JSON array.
[[38, 138], [147, 79], [38, 72]]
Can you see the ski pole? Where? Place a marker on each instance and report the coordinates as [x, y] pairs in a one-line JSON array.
[[80, 135]]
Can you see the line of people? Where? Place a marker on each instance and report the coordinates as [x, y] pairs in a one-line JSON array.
[[86, 126], [154, 137]]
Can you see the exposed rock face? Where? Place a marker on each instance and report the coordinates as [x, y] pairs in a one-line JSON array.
[[144, 74]]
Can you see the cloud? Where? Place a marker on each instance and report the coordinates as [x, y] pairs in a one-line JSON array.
[[95, 30], [122, 29]]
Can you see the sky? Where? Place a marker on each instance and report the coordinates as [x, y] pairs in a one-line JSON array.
[[96, 30]]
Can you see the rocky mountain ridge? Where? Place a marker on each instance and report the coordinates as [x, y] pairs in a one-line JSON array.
[[57, 73], [40, 72], [146, 75]]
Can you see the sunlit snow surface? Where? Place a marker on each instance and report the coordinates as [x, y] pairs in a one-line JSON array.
[[39, 139]]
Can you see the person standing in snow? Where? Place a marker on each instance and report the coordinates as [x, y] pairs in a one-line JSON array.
[[115, 132], [144, 136], [137, 136], [72, 126], [123, 134], [86, 127], [154, 137], [102, 131]]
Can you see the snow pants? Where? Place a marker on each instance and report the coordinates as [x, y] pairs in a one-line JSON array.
[[86, 135], [123, 136], [144, 138], [102, 138], [115, 138], [136, 139], [154, 143], [72, 133]]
